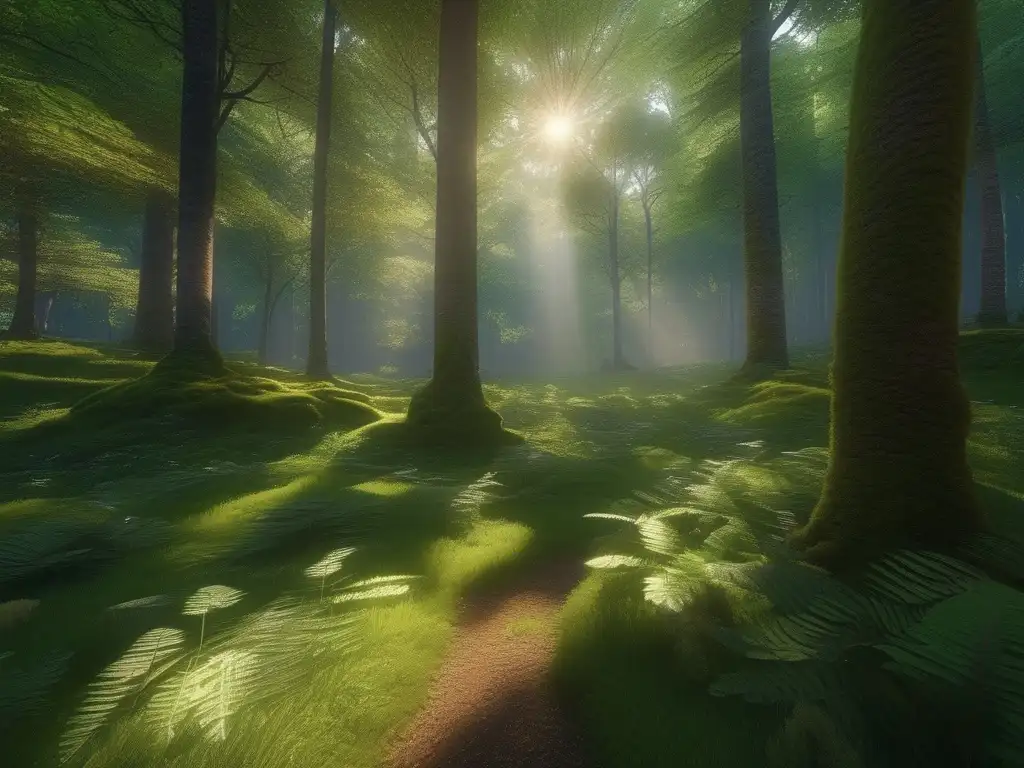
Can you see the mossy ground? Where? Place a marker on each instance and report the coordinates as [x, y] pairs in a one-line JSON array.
[[97, 510]]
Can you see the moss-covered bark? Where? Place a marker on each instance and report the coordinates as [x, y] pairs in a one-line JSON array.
[[898, 473], [197, 183], [993, 233], [451, 407], [762, 239], [316, 363], [23, 323], [154, 310]]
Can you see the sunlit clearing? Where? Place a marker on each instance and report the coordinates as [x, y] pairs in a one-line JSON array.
[[559, 128]]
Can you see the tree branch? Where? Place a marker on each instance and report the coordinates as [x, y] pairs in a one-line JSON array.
[[784, 14], [417, 117]]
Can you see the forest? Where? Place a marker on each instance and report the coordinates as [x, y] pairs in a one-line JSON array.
[[478, 383]]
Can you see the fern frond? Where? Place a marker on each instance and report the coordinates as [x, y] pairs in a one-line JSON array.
[[211, 598], [615, 561], [151, 654], [329, 564], [810, 680], [152, 601], [919, 578]]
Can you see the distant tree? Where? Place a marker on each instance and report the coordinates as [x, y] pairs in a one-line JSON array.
[[593, 194], [452, 405], [993, 233], [898, 472], [651, 142], [23, 322], [316, 363], [766, 304]]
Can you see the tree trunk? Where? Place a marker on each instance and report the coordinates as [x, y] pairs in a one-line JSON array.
[[993, 234], [615, 276], [23, 323], [451, 409], [316, 364], [649, 231], [268, 298], [762, 242], [154, 312], [197, 182], [898, 473]]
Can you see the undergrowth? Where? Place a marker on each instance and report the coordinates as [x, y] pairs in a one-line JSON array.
[[168, 582], [698, 606]]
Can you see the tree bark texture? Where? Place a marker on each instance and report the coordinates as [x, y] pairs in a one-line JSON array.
[[762, 239], [316, 363], [451, 406], [154, 311], [898, 473], [197, 180]]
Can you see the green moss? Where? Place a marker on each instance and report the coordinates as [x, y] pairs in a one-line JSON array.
[[455, 420], [992, 349], [229, 400]]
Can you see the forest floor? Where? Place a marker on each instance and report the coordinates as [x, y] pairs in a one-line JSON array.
[[180, 591]]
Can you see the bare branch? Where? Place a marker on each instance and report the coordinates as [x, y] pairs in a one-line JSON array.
[[417, 117], [784, 14]]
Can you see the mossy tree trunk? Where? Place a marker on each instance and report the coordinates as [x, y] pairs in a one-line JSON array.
[[154, 312], [451, 407], [23, 323], [316, 363], [762, 239], [197, 182], [993, 234], [898, 473]]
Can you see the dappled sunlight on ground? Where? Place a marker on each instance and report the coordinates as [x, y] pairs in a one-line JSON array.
[[142, 515]]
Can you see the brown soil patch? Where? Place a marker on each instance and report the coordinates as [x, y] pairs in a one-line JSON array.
[[491, 704]]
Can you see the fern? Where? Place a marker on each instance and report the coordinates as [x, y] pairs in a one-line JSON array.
[[809, 680], [152, 601], [264, 656], [150, 655], [328, 565], [919, 578], [207, 599]]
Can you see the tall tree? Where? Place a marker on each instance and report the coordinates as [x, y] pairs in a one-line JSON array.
[[993, 234], [652, 142], [898, 473], [23, 323], [452, 405], [197, 180], [316, 364], [154, 309], [762, 238]]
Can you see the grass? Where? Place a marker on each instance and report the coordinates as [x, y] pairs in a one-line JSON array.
[[105, 502]]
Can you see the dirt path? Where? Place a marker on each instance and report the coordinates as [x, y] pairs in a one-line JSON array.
[[491, 704]]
